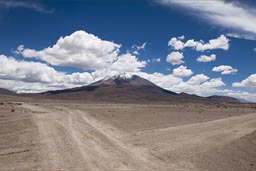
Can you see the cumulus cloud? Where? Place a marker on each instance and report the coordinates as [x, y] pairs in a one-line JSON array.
[[128, 63], [182, 37], [164, 81], [156, 60], [137, 49], [182, 71], [89, 51], [237, 18], [248, 82], [26, 71], [197, 79], [176, 43], [34, 77], [175, 58], [213, 83], [204, 58], [29, 4], [225, 69], [141, 47], [221, 42], [31, 73], [80, 49], [199, 84], [238, 94]]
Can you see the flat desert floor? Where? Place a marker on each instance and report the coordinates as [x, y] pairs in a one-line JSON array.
[[51, 135]]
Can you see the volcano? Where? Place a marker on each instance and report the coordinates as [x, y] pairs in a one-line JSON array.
[[120, 88], [124, 88]]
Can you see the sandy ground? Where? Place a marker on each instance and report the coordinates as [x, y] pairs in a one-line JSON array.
[[76, 136]]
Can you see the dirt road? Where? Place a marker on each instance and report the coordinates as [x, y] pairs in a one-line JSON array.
[[65, 138], [71, 139]]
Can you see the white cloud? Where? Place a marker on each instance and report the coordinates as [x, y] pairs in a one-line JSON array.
[[30, 4], [156, 60], [141, 47], [191, 43], [182, 71], [238, 94], [20, 48], [164, 81], [182, 37], [134, 52], [239, 19], [24, 76], [137, 48], [254, 49], [24, 87], [177, 44], [213, 83], [77, 78], [26, 71], [241, 36], [248, 82], [80, 49], [128, 63], [197, 79], [88, 52], [199, 84], [204, 58], [31, 77], [221, 42], [225, 69], [22, 73], [175, 58]]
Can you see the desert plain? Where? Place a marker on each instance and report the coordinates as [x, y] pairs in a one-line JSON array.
[[74, 135]]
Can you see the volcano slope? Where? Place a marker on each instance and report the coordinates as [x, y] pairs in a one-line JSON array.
[[66, 135]]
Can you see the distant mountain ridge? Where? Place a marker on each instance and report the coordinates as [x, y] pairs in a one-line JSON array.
[[243, 100], [6, 92], [128, 88], [224, 98]]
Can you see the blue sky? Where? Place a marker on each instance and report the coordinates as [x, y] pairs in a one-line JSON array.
[[103, 38]]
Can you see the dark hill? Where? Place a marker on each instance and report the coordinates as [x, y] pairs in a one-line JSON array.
[[224, 99], [6, 92]]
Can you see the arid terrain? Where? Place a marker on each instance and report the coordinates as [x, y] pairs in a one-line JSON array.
[[73, 135]]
